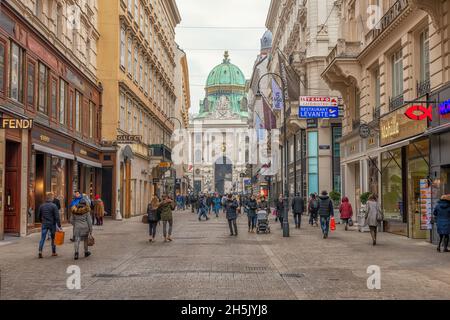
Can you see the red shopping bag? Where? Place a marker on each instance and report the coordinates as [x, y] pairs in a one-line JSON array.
[[333, 224]]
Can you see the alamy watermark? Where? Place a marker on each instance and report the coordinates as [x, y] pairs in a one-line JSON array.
[[73, 282], [374, 280]]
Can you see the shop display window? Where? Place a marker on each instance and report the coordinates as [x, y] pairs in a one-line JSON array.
[[392, 185]]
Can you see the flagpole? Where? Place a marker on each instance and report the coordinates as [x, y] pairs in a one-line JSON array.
[[286, 169]]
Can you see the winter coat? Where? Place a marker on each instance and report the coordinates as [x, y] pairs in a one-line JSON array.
[[280, 207], [326, 208], [153, 215], [99, 208], [346, 209], [49, 215], [166, 211], [251, 205], [373, 208], [81, 221], [263, 205], [311, 208], [231, 209], [442, 214], [217, 203], [298, 205]]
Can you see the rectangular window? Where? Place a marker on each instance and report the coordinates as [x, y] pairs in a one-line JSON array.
[[136, 10], [70, 109], [122, 112], [2, 66], [62, 101], [397, 74], [146, 27], [136, 65], [42, 105], [392, 185], [122, 47], [129, 119], [141, 22], [130, 7], [16, 72], [336, 136], [377, 88], [91, 119], [141, 72], [54, 98], [31, 77], [313, 162], [77, 111], [130, 56], [424, 56]]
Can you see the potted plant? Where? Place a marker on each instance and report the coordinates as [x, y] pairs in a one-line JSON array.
[[362, 211], [336, 198]]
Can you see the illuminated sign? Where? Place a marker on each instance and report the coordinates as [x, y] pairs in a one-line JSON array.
[[315, 101], [444, 108], [8, 123], [419, 112], [318, 112]]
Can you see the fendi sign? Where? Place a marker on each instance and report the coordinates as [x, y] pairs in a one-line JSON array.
[[396, 127]]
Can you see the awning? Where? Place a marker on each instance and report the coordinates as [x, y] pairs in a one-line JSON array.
[[439, 129], [89, 162], [53, 152], [402, 143]]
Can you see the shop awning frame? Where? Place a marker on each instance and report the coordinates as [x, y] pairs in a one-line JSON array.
[[89, 162], [41, 148]]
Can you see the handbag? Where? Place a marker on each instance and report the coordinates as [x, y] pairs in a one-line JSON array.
[[90, 240], [145, 219], [59, 238], [350, 222], [333, 224], [380, 216]]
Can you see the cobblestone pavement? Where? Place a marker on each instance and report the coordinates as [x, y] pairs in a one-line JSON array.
[[204, 262]]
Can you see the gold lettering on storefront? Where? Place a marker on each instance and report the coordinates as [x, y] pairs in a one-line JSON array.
[[44, 138], [390, 128], [83, 152]]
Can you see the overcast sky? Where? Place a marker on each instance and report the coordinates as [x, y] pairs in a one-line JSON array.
[[243, 44]]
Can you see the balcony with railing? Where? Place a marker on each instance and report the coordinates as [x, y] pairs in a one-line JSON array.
[[423, 87], [344, 50], [396, 102]]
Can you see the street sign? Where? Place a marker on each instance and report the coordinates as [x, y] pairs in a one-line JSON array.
[[318, 112], [318, 101], [324, 147], [165, 164], [312, 123]]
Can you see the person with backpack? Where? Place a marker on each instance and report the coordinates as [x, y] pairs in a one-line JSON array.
[[313, 208], [346, 211], [153, 217], [326, 211], [298, 207]]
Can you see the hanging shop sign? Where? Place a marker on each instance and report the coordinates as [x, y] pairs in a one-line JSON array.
[[317, 101], [419, 112], [9, 123], [395, 126], [444, 108], [318, 112]]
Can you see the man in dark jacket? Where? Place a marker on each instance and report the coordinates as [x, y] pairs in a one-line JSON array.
[[326, 211], [298, 207], [231, 206], [48, 214]]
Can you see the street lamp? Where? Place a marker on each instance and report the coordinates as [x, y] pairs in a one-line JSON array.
[[286, 176], [174, 170]]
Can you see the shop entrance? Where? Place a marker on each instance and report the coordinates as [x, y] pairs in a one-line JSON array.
[[12, 188]]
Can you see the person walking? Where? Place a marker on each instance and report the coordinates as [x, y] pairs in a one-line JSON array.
[[77, 196], [442, 217], [346, 211], [209, 203], [298, 207], [58, 205], [251, 205], [313, 209], [166, 208], [216, 204], [203, 208], [373, 217], [48, 214], [280, 209], [82, 226], [153, 217], [263, 204], [231, 206], [99, 210], [326, 211]]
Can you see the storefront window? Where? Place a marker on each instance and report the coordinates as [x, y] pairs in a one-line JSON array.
[[58, 182], [392, 185], [313, 162]]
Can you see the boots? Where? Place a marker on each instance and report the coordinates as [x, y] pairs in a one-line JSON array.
[[87, 254], [40, 255], [446, 244], [75, 256]]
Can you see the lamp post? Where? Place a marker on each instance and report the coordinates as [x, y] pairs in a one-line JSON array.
[[174, 170], [286, 169]]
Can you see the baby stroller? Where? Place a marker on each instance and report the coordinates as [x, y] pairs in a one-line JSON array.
[[262, 222]]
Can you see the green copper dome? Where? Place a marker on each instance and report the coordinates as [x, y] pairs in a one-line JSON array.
[[226, 74]]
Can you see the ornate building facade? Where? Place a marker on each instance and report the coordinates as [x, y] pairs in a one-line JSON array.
[[218, 135], [137, 68]]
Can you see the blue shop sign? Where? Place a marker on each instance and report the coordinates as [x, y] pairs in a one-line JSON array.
[[444, 108], [318, 112]]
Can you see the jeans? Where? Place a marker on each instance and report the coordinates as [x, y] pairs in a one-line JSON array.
[[165, 226], [298, 219], [312, 218], [232, 223], [77, 244], [216, 211], [203, 212], [252, 222], [325, 224], [44, 231], [152, 228]]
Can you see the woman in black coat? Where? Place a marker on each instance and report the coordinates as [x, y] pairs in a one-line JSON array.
[[251, 206], [280, 209], [442, 217]]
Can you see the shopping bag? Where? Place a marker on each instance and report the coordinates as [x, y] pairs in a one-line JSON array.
[[91, 240], [59, 238], [332, 224]]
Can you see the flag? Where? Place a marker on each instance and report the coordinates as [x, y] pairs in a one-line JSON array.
[[277, 95], [290, 78], [270, 122]]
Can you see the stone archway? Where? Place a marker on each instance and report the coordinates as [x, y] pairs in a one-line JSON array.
[[223, 175]]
